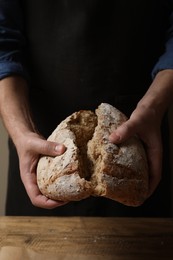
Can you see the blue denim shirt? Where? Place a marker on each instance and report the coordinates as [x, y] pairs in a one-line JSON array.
[[11, 39], [12, 42]]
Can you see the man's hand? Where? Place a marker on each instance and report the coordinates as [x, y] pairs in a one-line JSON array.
[[15, 112], [144, 123], [29, 149]]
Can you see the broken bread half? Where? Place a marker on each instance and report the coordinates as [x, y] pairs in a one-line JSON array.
[[91, 164]]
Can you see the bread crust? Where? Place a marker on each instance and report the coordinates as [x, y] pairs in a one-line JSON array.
[[61, 177], [118, 172]]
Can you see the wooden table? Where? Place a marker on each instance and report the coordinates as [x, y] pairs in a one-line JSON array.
[[78, 238]]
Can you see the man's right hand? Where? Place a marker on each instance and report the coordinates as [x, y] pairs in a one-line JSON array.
[[29, 149], [15, 112]]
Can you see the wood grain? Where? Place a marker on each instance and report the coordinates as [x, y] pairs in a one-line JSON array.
[[90, 238]]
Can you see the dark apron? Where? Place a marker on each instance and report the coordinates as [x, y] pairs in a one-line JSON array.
[[82, 53]]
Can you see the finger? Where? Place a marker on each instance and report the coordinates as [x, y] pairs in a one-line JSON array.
[[45, 147], [37, 199], [154, 155], [46, 203], [155, 169], [123, 132]]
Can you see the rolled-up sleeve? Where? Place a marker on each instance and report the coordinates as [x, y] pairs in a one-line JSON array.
[[166, 59], [12, 42]]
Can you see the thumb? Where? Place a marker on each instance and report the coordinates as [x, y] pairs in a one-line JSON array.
[[49, 148], [123, 132]]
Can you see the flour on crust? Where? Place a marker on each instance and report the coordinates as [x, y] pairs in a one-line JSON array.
[[120, 172], [91, 165], [64, 177]]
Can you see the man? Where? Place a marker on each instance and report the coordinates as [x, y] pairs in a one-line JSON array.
[[57, 57]]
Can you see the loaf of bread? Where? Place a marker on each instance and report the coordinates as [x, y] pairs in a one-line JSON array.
[[91, 164]]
